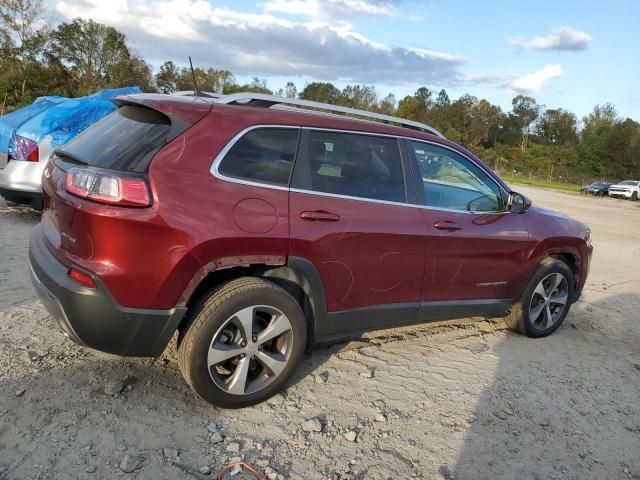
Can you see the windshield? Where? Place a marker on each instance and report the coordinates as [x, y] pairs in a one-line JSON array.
[[629, 182]]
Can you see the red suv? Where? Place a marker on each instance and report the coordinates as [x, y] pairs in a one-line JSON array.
[[255, 227]]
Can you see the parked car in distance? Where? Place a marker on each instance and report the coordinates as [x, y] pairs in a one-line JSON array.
[[599, 189], [629, 189], [256, 228], [31, 143]]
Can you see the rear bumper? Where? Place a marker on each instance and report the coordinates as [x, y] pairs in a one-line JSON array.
[[18, 196], [91, 317]]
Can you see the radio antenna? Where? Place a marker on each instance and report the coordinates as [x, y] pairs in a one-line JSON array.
[[193, 74]]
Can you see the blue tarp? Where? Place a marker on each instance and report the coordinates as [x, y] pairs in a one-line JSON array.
[[11, 121], [66, 120]]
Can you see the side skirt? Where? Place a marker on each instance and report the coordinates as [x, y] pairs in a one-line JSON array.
[[331, 326], [348, 323]]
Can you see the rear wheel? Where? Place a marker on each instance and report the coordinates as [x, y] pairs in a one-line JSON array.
[[545, 302], [242, 343]]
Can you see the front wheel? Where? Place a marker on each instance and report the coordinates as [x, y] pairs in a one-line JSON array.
[[242, 343], [545, 302], [634, 196]]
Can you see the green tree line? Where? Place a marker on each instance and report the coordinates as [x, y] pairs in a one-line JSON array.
[[81, 56]]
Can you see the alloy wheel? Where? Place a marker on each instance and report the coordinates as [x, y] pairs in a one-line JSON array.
[[250, 350], [548, 301]]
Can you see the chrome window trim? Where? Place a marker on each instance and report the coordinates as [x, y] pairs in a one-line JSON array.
[[214, 170]]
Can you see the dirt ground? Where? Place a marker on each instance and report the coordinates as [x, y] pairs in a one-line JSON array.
[[468, 400]]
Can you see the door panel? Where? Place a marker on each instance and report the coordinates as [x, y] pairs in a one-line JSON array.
[[481, 259], [374, 254], [349, 217], [475, 249]]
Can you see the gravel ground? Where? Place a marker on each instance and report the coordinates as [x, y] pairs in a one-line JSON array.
[[465, 400]]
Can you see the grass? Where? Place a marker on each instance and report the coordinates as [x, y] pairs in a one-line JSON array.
[[567, 187]]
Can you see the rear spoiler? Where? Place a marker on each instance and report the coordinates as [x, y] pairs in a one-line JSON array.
[[182, 111]]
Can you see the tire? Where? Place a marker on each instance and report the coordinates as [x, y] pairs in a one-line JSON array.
[[216, 327], [634, 196], [520, 319]]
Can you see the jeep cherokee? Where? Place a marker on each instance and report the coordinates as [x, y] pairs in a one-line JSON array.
[[255, 227]]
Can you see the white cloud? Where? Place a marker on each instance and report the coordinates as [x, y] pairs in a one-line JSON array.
[[562, 38], [331, 9], [266, 44], [533, 82]]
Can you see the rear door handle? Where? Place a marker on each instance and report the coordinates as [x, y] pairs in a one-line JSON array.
[[447, 225], [319, 216]]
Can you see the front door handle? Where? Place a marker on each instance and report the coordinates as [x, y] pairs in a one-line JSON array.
[[319, 216], [447, 225]]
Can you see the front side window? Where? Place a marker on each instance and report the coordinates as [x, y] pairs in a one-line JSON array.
[[356, 165], [453, 182], [264, 155]]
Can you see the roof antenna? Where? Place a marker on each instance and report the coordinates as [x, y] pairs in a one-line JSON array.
[[193, 74]]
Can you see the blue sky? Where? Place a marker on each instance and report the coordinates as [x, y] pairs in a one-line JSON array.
[[570, 54]]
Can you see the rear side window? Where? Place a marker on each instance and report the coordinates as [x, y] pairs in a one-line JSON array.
[[264, 155], [356, 165], [126, 140]]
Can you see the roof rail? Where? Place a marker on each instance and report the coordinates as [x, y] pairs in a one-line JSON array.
[[268, 101], [191, 93]]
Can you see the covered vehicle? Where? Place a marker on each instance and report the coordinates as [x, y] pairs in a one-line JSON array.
[[599, 189], [11, 121], [29, 135]]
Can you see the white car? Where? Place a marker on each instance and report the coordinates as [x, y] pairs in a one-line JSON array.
[[629, 189]]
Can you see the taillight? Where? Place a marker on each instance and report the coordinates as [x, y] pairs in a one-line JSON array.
[[24, 150], [107, 187]]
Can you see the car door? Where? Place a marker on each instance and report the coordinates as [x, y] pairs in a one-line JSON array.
[[476, 247], [349, 217]]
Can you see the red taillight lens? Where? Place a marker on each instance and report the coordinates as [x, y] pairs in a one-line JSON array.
[[82, 278], [25, 150], [108, 187]]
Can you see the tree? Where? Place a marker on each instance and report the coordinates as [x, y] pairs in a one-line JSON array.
[[558, 127], [525, 113], [291, 91], [387, 105], [416, 106], [130, 72], [90, 50], [18, 19], [595, 158], [167, 77], [321, 92], [361, 97]]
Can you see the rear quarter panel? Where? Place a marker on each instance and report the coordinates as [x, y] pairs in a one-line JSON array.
[[221, 224]]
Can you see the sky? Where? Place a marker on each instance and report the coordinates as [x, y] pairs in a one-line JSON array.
[[564, 53]]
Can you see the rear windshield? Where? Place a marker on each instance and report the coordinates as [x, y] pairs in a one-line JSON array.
[[125, 140]]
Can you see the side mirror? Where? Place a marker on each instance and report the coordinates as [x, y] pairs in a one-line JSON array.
[[518, 203]]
